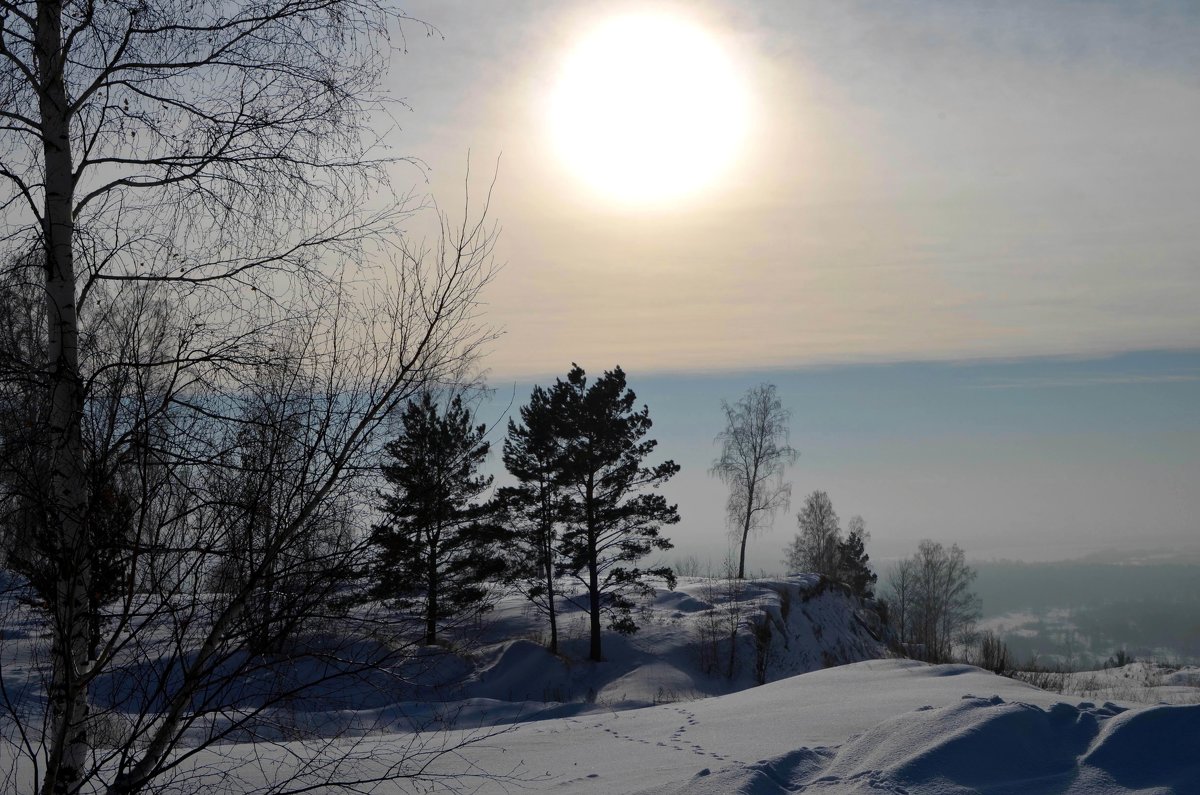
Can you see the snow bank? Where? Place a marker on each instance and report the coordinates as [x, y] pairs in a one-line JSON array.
[[847, 730], [986, 745]]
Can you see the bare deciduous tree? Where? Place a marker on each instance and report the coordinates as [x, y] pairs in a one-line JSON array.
[[900, 587], [194, 182], [252, 473], [931, 602], [754, 454], [815, 547]]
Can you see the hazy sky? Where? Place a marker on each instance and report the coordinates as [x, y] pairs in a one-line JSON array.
[[917, 181], [1033, 459]]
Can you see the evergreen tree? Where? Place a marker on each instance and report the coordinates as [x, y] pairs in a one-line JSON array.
[[854, 564], [435, 545], [533, 455], [612, 520]]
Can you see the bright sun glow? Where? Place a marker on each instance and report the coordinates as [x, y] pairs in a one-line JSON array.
[[648, 109]]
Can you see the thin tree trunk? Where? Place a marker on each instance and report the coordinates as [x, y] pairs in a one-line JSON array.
[[741, 573], [594, 604], [593, 576], [548, 564], [553, 619], [431, 603], [69, 744], [746, 522]]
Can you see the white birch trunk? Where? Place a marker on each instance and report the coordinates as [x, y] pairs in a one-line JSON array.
[[68, 742]]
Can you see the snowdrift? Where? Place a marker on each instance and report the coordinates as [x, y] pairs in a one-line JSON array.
[[892, 726]]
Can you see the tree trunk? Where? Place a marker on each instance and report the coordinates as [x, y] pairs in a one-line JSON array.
[[69, 744], [548, 564], [595, 653], [746, 524], [553, 620], [431, 601], [741, 572], [594, 604]]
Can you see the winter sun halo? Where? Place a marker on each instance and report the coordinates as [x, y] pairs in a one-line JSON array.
[[648, 109]]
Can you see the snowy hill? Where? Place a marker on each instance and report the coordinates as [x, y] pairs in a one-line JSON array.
[[883, 726], [779, 628], [666, 713]]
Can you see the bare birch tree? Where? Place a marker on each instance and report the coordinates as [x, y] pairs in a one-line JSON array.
[[754, 454], [900, 587], [815, 547], [930, 600], [201, 200]]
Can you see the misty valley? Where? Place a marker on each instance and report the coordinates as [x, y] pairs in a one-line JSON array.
[[1082, 614]]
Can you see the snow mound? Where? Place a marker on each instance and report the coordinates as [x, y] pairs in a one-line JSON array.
[[520, 670], [985, 745], [1149, 748], [1184, 677], [680, 602]]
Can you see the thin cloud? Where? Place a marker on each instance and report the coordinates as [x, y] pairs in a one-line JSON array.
[[1113, 379]]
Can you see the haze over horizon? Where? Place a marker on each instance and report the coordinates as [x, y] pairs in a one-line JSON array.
[[1030, 459]]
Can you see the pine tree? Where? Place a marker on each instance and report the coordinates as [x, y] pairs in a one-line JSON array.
[[436, 541], [612, 520], [535, 507], [854, 564]]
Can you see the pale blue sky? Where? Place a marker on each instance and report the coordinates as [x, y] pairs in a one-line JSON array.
[[1034, 459]]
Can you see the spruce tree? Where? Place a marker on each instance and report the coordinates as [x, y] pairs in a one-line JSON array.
[[436, 542], [612, 520], [854, 564]]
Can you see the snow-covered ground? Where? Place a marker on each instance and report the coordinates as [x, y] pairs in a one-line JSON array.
[[1138, 682], [880, 726], [663, 715]]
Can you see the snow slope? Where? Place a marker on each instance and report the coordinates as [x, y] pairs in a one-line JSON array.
[[659, 717], [813, 624], [1138, 682], [884, 726]]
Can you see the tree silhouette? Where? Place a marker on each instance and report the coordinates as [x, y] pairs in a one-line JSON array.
[[536, 506], [612, 520], [754, 454], [197, 187], [436, 540], [853, 562], [815, 547]]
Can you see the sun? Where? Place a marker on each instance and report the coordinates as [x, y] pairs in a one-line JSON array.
[[648, 109]]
